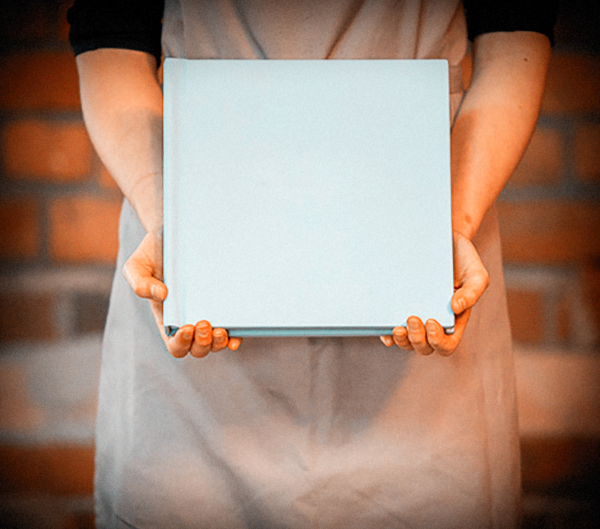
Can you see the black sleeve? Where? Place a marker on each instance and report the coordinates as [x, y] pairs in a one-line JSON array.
[[487, 16], [128, 24]]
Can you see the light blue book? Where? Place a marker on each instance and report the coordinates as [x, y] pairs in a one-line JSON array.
[[307, 197]]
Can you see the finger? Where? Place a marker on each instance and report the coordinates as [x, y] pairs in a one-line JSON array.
[[442, 343], [234, 343], [470, 292], [203, 338], [388, 341], [417, 336], [179, 345], [471, 276], [220, 340], [400, 336], [143, 283]]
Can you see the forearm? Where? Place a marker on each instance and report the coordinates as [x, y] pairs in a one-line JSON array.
[[495, 121], [122, 107]]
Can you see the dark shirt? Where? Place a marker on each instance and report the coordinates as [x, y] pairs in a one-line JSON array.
[[137, 24], [128, 24]]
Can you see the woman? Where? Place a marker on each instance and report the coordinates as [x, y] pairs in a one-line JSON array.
[[309, 432]]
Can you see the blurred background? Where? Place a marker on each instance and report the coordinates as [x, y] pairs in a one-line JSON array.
[[58, 241]]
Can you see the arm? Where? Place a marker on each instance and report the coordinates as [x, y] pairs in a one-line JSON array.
[[491, 131], [122, 108], [496, 120]]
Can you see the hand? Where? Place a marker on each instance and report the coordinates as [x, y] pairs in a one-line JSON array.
[[470, 281], [143, 271]]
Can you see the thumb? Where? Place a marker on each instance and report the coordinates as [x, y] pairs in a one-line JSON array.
[[469, 293], [143, 283], [472, 278]]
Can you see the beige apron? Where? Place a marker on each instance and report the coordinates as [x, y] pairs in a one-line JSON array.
[[309, 433]]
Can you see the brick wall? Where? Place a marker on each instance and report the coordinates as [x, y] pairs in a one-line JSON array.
[[58, 225], [550, 225], [550, 213], [58, 241]]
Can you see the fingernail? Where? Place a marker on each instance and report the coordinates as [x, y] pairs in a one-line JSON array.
[[155, 292], [413, 325], [431, 329], [386, 340], [187, 334]]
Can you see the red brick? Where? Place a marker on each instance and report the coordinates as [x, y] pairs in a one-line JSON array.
[[19, 413], [52, 150], [542, 162], [28, 20], [572, 85], [19, 228], [587, 151], [84, 229], [39, 81], [549, 231], [26, 317], [525, 309], [564, 310], [591, 288], [60, 470], [559, 463]]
